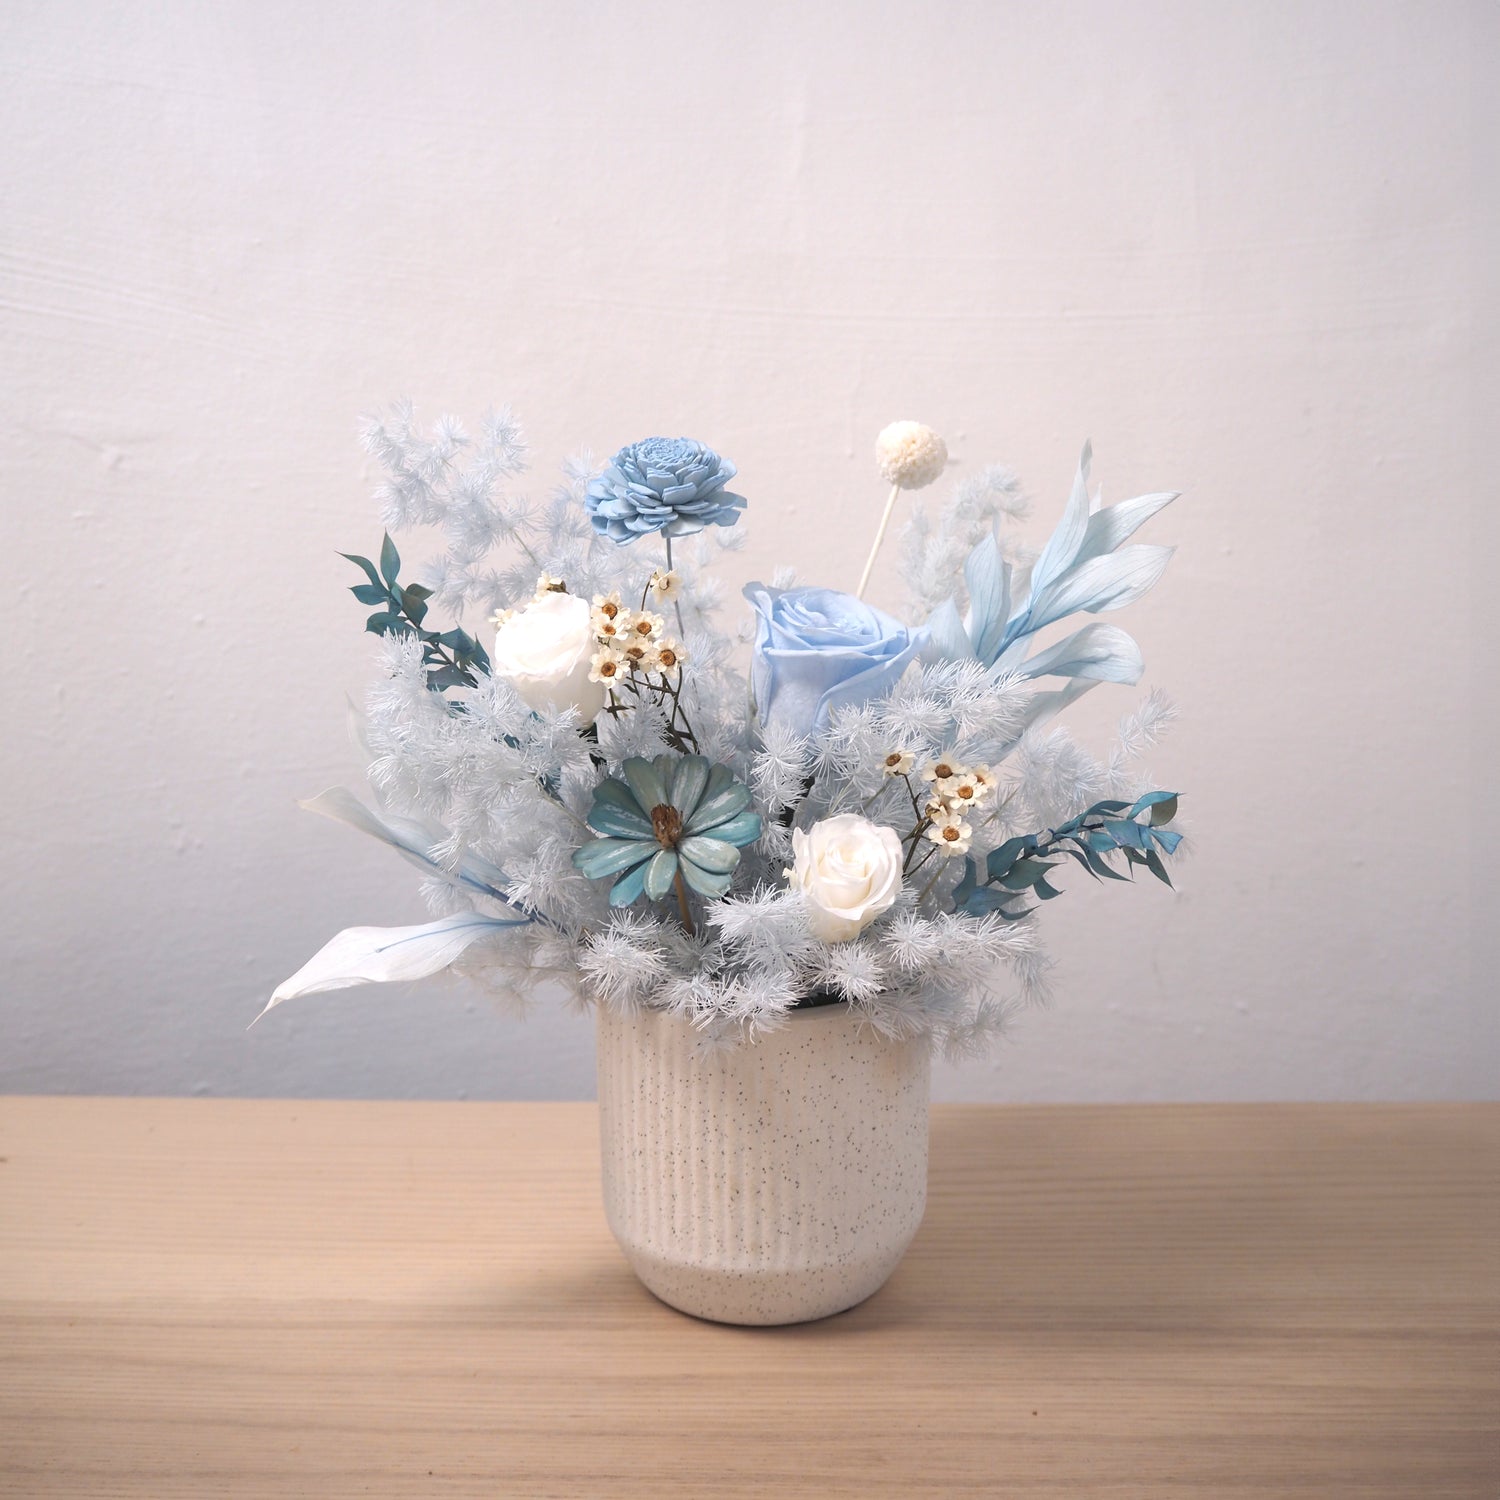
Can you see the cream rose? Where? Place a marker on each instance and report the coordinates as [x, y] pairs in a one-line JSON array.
[[545, 650], [849, 869]]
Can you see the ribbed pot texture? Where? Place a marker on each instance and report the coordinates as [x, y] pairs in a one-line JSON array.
[[774, 1183]]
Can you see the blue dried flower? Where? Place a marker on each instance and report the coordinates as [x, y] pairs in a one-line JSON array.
[[662, 484], [671, 813]]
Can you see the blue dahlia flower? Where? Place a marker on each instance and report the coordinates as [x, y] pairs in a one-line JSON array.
[[662, 484]]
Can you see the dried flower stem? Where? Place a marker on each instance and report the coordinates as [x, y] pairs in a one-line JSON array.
[[885, 521]]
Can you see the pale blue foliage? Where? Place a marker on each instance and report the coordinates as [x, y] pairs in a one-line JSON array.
[[1083, 569]]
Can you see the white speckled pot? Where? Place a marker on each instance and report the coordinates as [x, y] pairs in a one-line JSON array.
[[775, 1183]]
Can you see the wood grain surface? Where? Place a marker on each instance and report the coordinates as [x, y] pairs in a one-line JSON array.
[[203, 1298]]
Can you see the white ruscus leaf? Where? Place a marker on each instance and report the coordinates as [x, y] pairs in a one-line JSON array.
[[380, 955]]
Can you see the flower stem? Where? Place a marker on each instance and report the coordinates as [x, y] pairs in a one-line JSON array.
[[885, 520], [682, 903], [676, 603]]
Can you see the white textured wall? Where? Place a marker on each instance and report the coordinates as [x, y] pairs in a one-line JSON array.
[[1247, 248]]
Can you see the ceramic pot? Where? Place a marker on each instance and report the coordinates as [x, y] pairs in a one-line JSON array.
[[773, 1183]]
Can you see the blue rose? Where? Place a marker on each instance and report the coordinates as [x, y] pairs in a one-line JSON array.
[[662, 484], [818, 649]]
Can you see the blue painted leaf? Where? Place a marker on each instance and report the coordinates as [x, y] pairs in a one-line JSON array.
[[1061, 550], [1044, 891], [988, 580], [370, 593], [1107, 809], [946, 635], [1158, 869], [412, 838], [383, 622], [1115, 524], [1104, 653], [1108, 582], [1167, 839]]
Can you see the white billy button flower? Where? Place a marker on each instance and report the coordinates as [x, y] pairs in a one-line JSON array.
[[899, 762], [544, 649], [910, 455], [665, 586], [849, 871], [951, 834]]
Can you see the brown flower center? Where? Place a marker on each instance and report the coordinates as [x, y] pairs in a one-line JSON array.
[[942, 770], [667, 657], [953, 835], [666, 824], [645, 627], [609, 609]]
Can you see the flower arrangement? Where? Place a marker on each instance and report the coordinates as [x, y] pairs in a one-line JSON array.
[[600, 796]]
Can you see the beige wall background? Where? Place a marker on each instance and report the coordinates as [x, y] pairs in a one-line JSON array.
[[1246, 248]]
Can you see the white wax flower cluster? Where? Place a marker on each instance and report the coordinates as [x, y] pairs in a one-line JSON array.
[[910, 455], [956, 790], [632, 640], [849, 871]]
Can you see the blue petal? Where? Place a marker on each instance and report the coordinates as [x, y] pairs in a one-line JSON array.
[[603, 818], [645, 782], [688, 783], [744, 828], [719, 809], [628, 888], [660, 873], [605, 856], [617, 794], [705, 882], [709, 854]]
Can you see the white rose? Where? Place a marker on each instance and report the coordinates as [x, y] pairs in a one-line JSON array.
[[544, 651], [849, 869]]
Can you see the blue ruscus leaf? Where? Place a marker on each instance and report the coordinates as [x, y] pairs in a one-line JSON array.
[[369, 569], [1000, 860], [390, 560], [1163, 807], [1126, 834]]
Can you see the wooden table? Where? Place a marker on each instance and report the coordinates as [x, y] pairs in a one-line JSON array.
[[203, 1298]]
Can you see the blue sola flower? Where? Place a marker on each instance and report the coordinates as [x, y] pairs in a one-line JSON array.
[[662, 484], [668, 814]]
